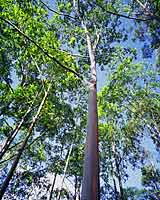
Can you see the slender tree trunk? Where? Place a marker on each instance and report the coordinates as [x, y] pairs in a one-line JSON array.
[[114, 183], [52, 188], [115, 188], [22, 147], [118, 172], [75, 188], [65, 170], [14, 132], [90, 184], [42, 134], [120, 184], [79, 193]]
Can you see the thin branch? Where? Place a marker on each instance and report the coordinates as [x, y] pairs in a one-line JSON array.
[[124, 16], [52, 187], [74, 55], [8, 84], [58, 13], [110, 12], [96, 41], [43, 50], [15, 131], [141, 4], [5, 160], [12, 156], [8, 124]]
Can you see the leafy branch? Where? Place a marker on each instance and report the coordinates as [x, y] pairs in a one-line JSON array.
[[39, 47], [58, 13], [124, 16]]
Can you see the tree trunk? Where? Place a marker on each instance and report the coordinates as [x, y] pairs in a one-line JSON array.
[[65, 170], [22, 147], [118, 172], [52, 188], [75, 188], [114, 183], [14, 132], [90, 184]]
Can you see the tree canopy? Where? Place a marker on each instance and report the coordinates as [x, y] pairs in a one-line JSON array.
[[61, 61]]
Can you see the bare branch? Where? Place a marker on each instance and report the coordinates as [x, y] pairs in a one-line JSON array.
[[74, 55], [7, 159]]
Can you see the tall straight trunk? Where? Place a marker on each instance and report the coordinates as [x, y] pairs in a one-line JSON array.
[[52, 188], [79, 193], [90, 184], [115, 188], [22, 147], [113, 174]]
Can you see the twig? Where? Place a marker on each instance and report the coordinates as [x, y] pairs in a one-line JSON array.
[[124, 16], [58, 13]]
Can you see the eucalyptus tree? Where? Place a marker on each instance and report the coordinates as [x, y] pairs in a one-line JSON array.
[[64, 50], [87, 33]]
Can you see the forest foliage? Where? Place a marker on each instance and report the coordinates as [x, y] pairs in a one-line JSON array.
[[44, 76]]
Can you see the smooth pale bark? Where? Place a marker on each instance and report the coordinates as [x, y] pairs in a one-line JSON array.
[[22, 147]]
